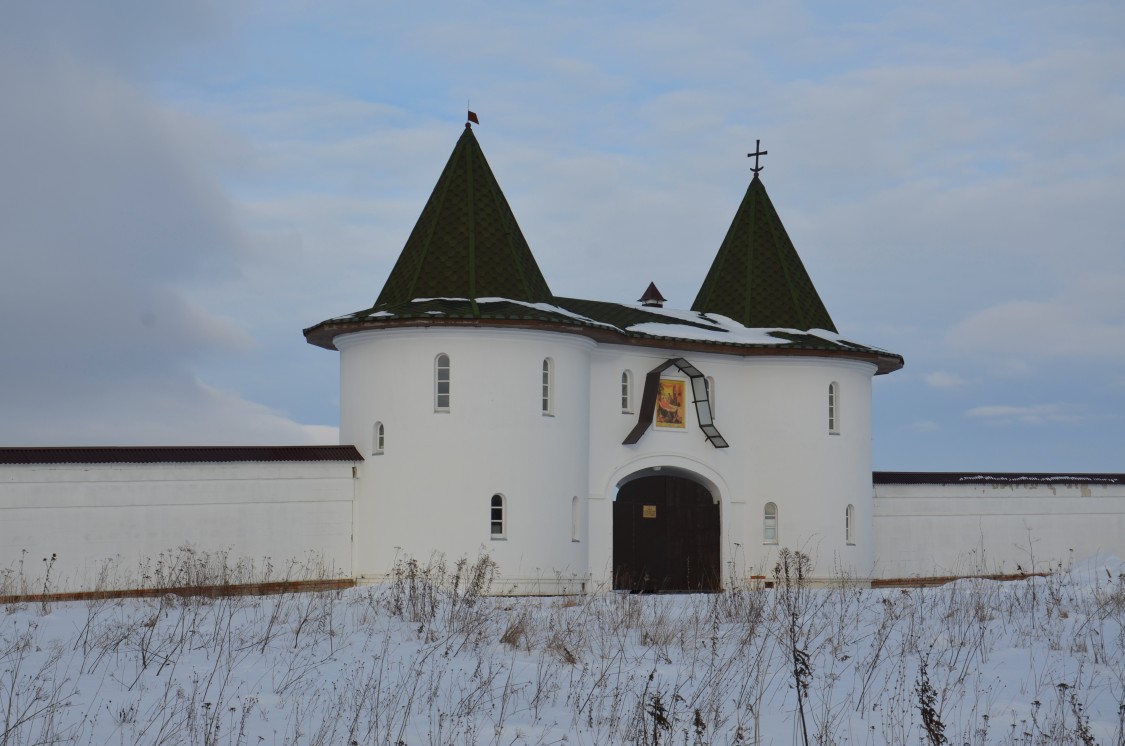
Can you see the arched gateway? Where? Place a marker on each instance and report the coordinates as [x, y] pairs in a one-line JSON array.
[[665, 536]]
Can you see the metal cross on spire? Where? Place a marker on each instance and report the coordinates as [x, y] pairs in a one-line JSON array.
[[755, 155]]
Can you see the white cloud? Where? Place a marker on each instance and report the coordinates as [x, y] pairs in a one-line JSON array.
[[169, 409], [112, 215], [1086, 321], [941, 379], [1010, 368], [1035, 414], [920, 160]]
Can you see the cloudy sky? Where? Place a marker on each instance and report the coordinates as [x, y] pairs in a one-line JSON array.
[[185, 186]]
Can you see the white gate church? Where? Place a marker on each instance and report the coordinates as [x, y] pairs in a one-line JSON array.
[[492, 412], [582, 444]]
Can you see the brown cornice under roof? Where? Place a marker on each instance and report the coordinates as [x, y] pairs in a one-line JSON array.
[[324, 334], [998, 478], [175, 454]]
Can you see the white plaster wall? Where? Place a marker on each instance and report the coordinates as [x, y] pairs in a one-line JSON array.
[[90, 514], [997, 527], [429, 492], [774, 414]]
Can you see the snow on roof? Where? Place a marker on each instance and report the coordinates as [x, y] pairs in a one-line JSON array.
[[1034, 478], [721, 328], [550, 308], [679, 331], [629, 319]]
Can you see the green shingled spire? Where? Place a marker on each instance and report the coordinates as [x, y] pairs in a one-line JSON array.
[[466, 243], [757, 279]]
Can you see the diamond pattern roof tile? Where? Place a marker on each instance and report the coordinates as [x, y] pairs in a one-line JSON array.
[[466, 243], [757, 277]]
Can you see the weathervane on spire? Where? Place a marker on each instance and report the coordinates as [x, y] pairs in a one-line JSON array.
[[755, 155], [471, 119]]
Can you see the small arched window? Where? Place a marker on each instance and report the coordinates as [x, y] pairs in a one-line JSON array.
[[627, 392], [769, 524], [497, 517], [849, 524], [442, 383], [548, 384], [377, 439], [834, 408], [575, 519]]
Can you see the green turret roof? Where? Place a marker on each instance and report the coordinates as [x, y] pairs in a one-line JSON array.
[[466, 243], [757, 279]]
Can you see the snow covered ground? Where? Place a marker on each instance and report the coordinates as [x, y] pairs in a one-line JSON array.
[[419, 661]]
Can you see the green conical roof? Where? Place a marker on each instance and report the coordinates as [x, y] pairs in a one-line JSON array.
[[466, 264], [757, 279], [466, 243]]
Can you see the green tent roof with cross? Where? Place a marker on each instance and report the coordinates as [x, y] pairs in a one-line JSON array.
[[757, 278]]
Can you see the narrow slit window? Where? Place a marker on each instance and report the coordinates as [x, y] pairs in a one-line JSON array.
[[627, 392], [575, 519], [442, 381], [497, 517], [709, 382], [769, 524], [834, 408], [548, 384], [849, 524], [378, 439]]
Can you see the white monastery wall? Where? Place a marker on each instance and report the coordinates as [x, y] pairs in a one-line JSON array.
[[994, 526], [88, 515], [774, 414], [430, 490]]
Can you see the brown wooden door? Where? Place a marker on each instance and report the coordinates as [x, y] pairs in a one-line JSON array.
[[665, 536]]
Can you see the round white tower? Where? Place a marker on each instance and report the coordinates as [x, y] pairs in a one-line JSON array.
[[475, 440]]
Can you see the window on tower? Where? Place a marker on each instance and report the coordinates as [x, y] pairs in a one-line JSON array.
[[575, 519], [769, 524], [498, 517], [548, 381], [377, 439], [834, 408], [442, 382]]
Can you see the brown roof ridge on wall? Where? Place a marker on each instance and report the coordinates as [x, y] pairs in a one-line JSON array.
[[173, 454], [987, 477]]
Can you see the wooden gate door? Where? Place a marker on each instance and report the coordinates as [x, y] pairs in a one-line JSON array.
[[665, 536]]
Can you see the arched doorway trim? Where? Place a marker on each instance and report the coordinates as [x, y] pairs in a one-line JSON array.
[[679, 465]]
